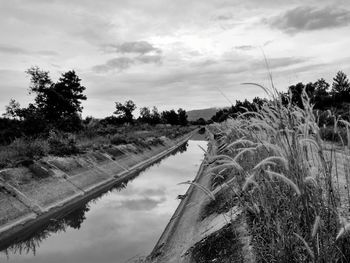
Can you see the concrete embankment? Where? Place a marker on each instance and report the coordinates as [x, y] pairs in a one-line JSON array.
[[30, 196], [190, 227]]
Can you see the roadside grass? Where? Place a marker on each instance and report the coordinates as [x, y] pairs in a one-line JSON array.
[[276, 162], [223, 246]]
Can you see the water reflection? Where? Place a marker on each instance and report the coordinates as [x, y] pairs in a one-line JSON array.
[[121, 223]]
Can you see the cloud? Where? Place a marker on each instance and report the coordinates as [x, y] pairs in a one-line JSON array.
[[149, 59], [13, 50], [245, 47], [123, 63], [120, 63], [278, 63], [140, 47], [305, 18], [141, 204]]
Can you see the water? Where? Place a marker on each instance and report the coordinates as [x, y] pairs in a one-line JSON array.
[[119, 225]]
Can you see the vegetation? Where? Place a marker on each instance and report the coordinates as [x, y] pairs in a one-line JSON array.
[[284, 180], [52, 123], [337, 99]]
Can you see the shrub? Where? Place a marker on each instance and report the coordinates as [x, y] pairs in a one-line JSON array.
[[62, 144], [118, 139], [23, 151]]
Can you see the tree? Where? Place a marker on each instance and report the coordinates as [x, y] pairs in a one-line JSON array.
[[124, 111], [145, 115], [182, 117], [170, 117], [156, 118], [341, 87], [12, 110], [321, 97], [59, 104], [40, 84], [70, 93]]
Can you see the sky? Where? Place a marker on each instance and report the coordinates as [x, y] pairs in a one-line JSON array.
[[171, 53]]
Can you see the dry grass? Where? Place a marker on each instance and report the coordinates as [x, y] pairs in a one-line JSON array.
[[285, 182]]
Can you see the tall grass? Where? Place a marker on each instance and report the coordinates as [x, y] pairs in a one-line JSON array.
[[284, 179]]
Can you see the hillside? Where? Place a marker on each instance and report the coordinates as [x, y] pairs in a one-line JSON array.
[[201, 113]]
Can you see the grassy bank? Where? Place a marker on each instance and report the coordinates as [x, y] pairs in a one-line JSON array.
[[274, 165], [25, 150]]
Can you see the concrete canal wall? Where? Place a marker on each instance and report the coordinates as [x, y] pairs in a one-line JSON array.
[[29, 196]]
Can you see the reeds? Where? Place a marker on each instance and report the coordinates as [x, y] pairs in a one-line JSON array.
[[278, 163]]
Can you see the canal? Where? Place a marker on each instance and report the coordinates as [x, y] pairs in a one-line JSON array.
[[119, 226]]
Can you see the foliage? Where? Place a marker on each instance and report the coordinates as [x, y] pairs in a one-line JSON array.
[[148, 116], [170, 117], [182, 117], [56, 105], [62, 144], [22, 151], [341, 86], [124, 111], [284, 182], [238, 108]]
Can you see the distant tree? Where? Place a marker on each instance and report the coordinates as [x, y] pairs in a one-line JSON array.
[[220, 115], [341, 86], [321, 87], [182, 117], [124, 111], [12, 110], [170, 117], [321, 98], [145, 115], [199, 121], [156, 118], [41, 84], [59, 104]]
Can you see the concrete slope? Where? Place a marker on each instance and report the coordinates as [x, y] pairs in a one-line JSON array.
[[54, 185]]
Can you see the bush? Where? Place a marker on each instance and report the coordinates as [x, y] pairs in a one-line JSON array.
[[22, 152], [62, 144], [118, 139]]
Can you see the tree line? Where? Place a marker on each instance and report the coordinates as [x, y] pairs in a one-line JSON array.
[[322, 95], [58, 106]]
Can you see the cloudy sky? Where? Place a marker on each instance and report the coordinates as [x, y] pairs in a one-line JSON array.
[[171, 53]]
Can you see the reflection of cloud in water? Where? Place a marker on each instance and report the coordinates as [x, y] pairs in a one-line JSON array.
[[121, 223], [141, 204]]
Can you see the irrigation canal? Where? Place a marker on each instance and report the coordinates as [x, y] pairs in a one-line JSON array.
[[120, 225]]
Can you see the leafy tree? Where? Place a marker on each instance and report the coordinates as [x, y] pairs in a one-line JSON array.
[[145, 115], [58, 104], [170, 117], [156, 118], [12, 110], [40, 85], [341, 86], [124, 111], [182, 117], [321, 98]]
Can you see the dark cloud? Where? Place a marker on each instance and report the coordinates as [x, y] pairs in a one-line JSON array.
[[245, 47], [140, 47], [122, 63], [305, 18], [149, 59]]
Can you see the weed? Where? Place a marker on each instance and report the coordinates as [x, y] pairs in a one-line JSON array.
[[269, 159]]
